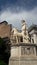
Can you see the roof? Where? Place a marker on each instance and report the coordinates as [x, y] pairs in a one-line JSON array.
[[4, 22], [32, 27]]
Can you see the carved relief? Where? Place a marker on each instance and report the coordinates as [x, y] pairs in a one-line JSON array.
[[27, 50]]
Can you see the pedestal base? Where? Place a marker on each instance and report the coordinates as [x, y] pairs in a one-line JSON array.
[[23, 61]]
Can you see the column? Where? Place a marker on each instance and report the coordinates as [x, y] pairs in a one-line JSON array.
[[35, 51], [34, 35]]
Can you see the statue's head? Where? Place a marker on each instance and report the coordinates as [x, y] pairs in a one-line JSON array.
[[23, 21]]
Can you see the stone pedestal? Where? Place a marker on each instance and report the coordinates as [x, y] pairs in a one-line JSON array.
[[23, 61], [23, 54]]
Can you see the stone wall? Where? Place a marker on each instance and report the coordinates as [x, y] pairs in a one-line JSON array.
[[23, 61], [23, 55], [15, 51]]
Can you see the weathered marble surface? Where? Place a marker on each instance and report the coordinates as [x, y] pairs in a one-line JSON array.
[[23, 55], [23, 61]]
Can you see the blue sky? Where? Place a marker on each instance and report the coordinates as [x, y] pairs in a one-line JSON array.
[[14, 11]]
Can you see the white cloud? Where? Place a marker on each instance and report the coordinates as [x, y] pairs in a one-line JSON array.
[[15, 18]]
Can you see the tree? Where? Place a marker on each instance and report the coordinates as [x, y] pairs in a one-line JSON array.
[[2, 63], [5, 49]]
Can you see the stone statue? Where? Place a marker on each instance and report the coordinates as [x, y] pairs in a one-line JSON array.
[[25, 32]]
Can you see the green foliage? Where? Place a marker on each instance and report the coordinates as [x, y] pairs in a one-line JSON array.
[[2, 63], [2, 47], [4, 50], [1, 42]]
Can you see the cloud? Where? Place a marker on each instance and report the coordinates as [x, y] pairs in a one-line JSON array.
[[25, 4], [15, 17]]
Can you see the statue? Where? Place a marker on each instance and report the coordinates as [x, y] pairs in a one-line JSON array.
[[25, 32]]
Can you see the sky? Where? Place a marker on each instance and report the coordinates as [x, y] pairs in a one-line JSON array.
[[13, 11]]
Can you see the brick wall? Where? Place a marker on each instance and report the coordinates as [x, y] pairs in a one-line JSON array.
[[5, 30]]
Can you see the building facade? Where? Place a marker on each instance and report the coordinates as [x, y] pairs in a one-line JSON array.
[[33, 33], [5, 29]]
